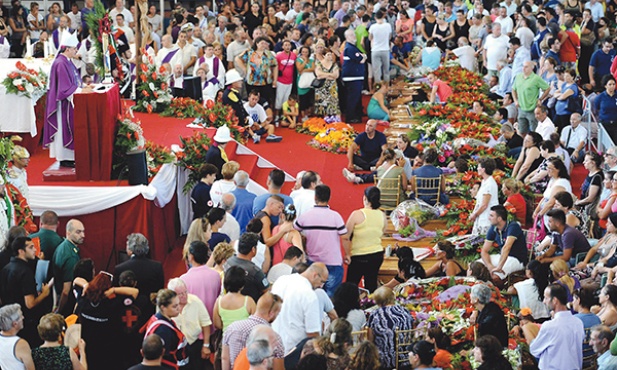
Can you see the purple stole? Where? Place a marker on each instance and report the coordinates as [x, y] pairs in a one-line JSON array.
[[168, 57], [1, 40], [63, 82], [56, 38]]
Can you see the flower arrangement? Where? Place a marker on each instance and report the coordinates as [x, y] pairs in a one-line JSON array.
[[100, 25], [218, 114], [336, 138], [129, 135], [153, 93], [312, 126], [26, 82], [192, 156], [22, 213], [156, 156], [184, 108]]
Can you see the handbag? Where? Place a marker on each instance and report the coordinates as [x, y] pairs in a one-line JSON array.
[[574, 104], [318, 82], [306, 80]]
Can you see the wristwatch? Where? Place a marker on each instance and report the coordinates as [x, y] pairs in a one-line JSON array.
[[207, 345]]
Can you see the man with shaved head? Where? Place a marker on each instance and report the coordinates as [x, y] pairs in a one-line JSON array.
[[64, 260], [152, 349], [300, 315]]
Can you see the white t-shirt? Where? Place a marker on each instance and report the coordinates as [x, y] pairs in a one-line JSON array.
[[381, 33], [220, 187], [545, 128], [300, 313], [184, 55], [507, 25], [156, 23], [128, 32], [257, 113], [526, 36], [496, 49], [278, 270], [128, 16], [291, 15], [528, 297], [466, 56], [488, 186], [35, 34], [75, 20]]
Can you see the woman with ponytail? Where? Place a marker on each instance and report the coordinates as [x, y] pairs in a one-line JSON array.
[[511, 188], [335, 344], [363, 249]]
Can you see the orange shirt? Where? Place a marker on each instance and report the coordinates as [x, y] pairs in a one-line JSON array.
[[242, 362], [442, 359]]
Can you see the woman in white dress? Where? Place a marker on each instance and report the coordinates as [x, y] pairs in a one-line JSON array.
[[559, 181], [485, 198]]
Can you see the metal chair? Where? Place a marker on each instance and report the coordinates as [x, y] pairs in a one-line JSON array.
[[390, 192], [428, 189], [402, 340], [358, 337]]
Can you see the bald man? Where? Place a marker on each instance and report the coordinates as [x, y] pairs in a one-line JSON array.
[[236, 334], [64, 260], [300, 315]]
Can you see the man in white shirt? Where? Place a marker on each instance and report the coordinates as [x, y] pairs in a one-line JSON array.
[[495, 48], [167, 52], [190, 36], [300, 315], [559, 344], [291, 15], [282, 13], [187, 54], [176, 80], [510, 7], [130, 36], [201, 17], [545, 125], [574, 137], [304, 198], [465, 54], [478, 8], [524, 33], [505, 80], [221, 28], [507, 25], [231, 227], [380, 34], [75, 17], [261, 123], [237, 47], [120, 9], [520, 55]]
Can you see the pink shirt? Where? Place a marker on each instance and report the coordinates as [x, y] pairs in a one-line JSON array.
[[286, 64], [443, 91], [205, 283]]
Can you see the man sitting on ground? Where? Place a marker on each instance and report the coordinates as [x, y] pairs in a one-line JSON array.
[[261, 123]]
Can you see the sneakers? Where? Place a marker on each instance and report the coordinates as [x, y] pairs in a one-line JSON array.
[[256, 138], [273, 138], [357, 168], [373, 169], [352, 178]]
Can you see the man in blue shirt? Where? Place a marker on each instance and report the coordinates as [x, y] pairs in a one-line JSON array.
[[275, 182], [370, 143], [510, 240], [600, 64], [243, 211]]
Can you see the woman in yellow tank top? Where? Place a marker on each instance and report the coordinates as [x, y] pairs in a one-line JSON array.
[[362, 243], [233, 306]]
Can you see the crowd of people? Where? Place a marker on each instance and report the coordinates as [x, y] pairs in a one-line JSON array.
[[264, 281]]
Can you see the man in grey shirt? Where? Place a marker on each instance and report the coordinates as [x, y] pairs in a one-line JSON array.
[[237, 47]]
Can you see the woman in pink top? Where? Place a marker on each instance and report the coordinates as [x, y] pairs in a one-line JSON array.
[[292, 237], [439, 89]]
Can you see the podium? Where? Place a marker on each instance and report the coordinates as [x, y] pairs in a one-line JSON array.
[[95, 119]]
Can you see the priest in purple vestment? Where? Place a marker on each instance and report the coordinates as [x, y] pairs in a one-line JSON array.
[[64, 81]]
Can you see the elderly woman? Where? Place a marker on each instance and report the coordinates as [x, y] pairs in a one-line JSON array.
[[383, 322], [486, 197], [530, 157], [569, 90], [101, 309], [447, 266], [592, 186], [362, 243], [226, 184], [53, 354], [194, 322], [606, 106], [606, 249], [488, 315], [574, 217]]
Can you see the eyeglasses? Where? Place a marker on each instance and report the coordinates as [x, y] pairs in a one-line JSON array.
[[275, 300]]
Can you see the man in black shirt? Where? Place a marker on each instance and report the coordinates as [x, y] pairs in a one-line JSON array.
[[514, 141], [152, 349], [17, 285]]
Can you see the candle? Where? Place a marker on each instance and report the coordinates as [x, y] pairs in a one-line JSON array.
[[45, 49]]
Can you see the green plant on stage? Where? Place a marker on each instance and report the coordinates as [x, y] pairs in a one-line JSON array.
[[99, 22], [192, 157], [184, 108], [156, 156]]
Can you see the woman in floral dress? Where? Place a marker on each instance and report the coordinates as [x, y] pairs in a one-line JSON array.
[[326, 96], [261, 69]]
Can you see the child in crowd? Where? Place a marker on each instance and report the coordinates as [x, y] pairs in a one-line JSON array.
[[290, 112]]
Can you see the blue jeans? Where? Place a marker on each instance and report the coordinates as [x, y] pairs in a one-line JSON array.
[[335, 278]]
